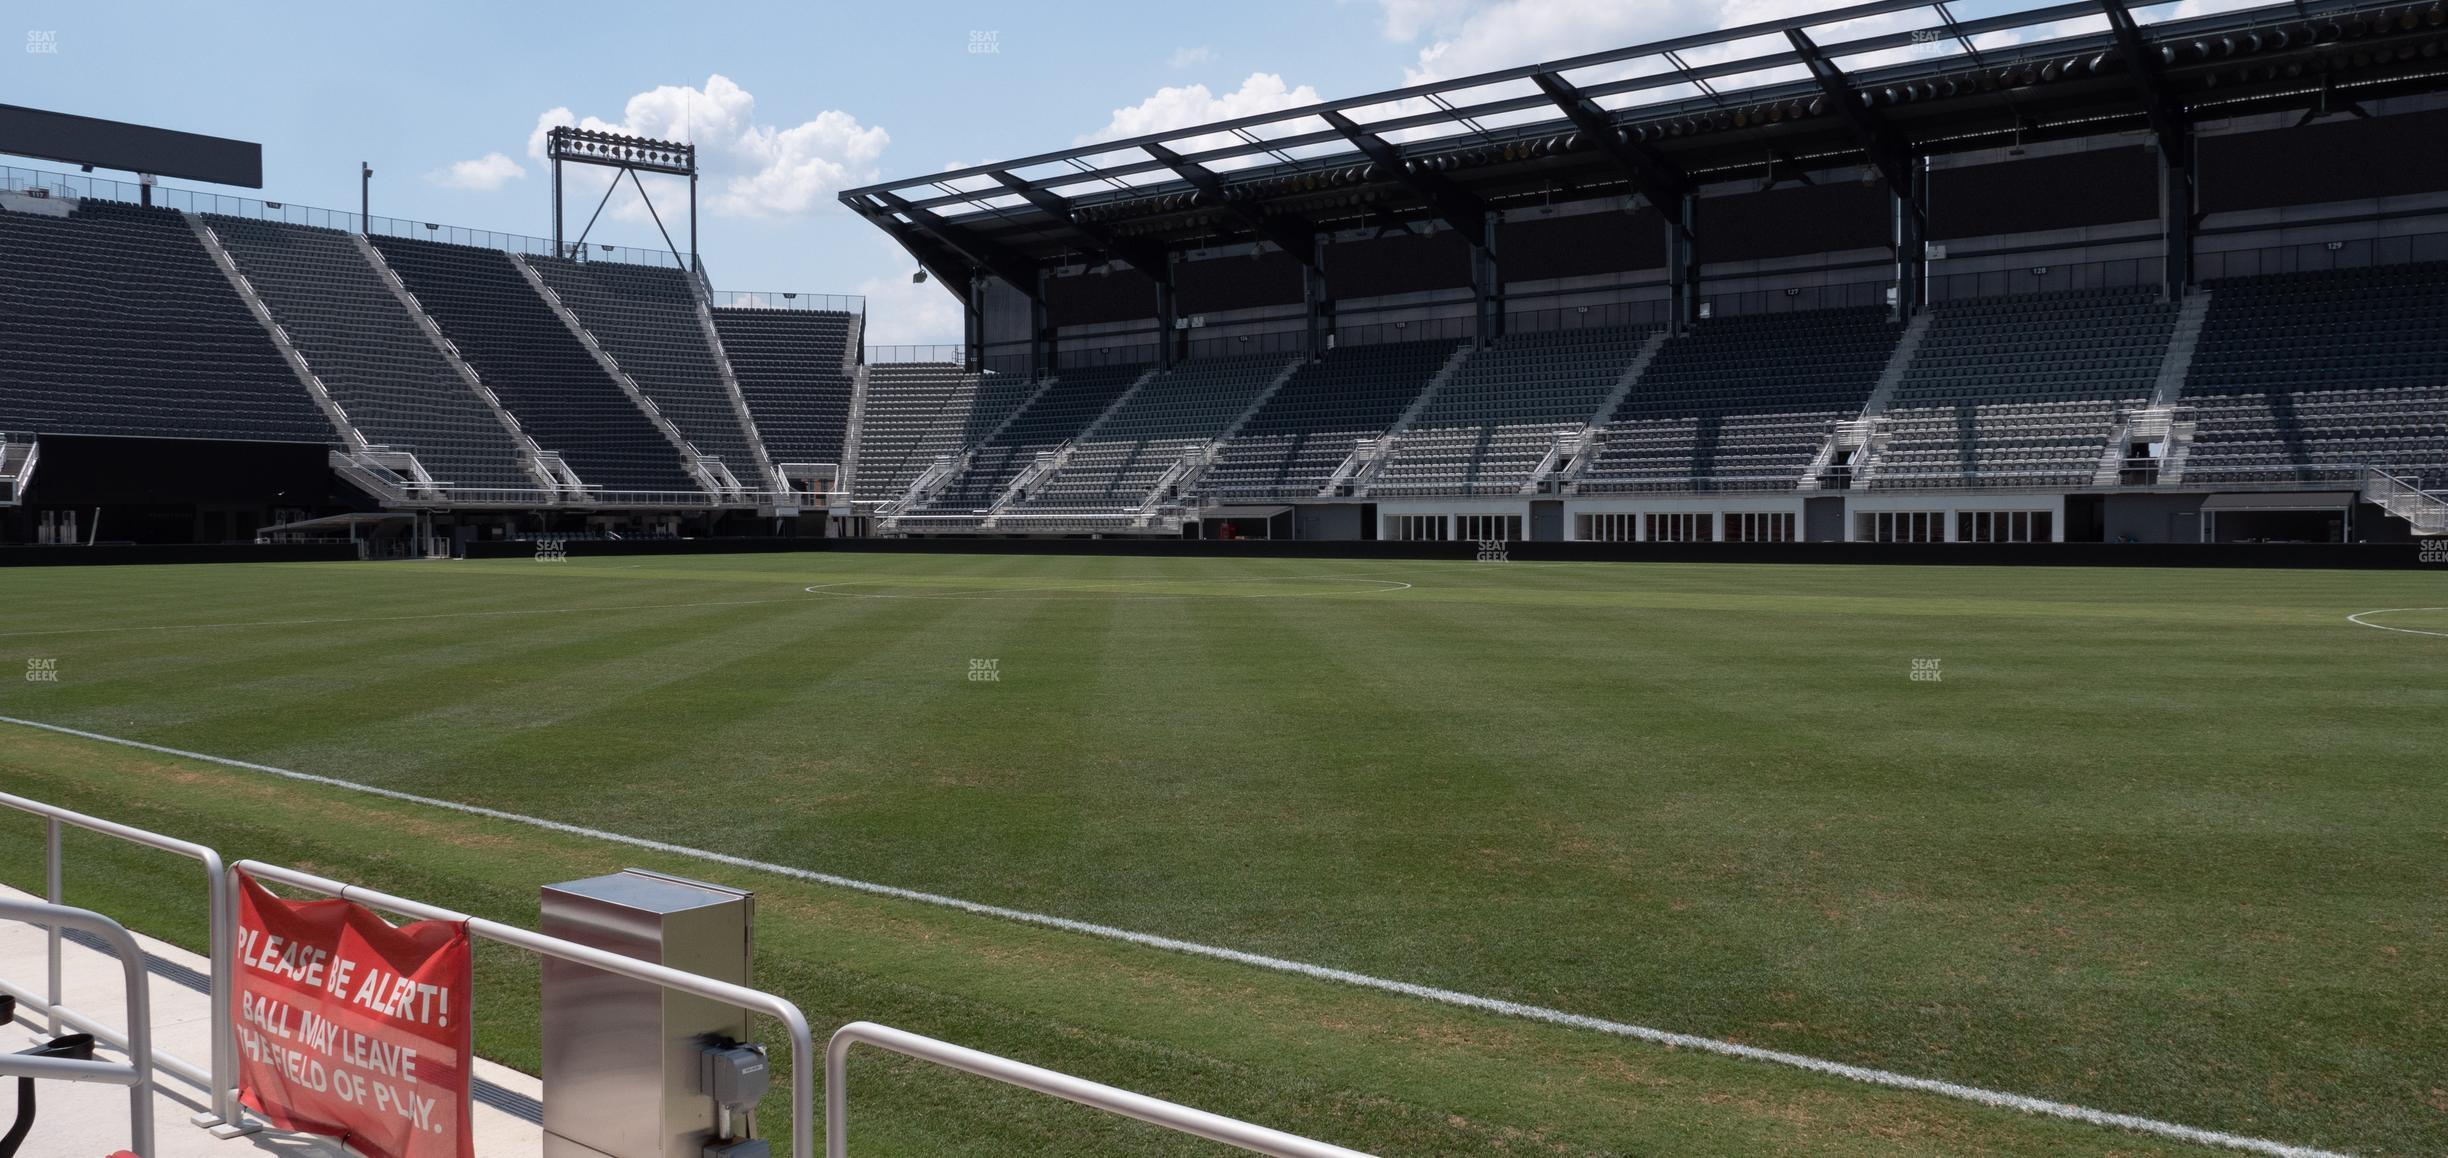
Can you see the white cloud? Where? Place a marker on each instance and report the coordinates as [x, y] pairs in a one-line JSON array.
[[1409, 19], [482, 174], [1187, 57], [902, 314], [759, 169], [1474, 36], [1180, 106]]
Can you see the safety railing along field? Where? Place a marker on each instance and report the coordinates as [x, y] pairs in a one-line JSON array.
[[218, 1078], [794, 1023], [79, 1066]]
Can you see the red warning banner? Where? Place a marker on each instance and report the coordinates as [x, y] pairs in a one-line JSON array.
[[353, 1028]]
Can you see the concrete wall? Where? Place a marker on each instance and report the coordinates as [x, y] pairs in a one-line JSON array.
[[2152, 518], [1329, 521]]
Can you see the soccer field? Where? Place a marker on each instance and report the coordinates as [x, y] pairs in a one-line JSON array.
[[2155, 842]]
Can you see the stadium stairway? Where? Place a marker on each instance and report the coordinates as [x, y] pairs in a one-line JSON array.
[[391, 384], [2021, 392], [541, 373], [1308, 429], [1494, 423], [1058, 411], [795, 369], [917, 413], [644, 318], [1743, 403], [1171, 417], [2319, 377]]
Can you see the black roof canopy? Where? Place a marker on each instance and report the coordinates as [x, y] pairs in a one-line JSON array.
[[1845, 87]]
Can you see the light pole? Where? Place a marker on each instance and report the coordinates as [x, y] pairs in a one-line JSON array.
[[365, 198]]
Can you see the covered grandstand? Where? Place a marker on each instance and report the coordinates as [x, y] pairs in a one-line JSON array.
[[2067, 272]]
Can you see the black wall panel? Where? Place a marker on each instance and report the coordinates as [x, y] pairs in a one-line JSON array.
[[1397, 263], [1123, 295], [1581, 245], [75, 140], [1237, 283], [2067, 191], [1791, 221], [2340, 160]]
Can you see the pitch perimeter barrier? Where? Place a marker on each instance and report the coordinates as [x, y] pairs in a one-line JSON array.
[[136, 1039], [220, 1082], [106, 554], [137, 1072], [2285, 556]]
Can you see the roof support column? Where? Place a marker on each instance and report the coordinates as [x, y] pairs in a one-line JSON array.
[[1682, 272], [1487, 285], [1041, 332], [973, 325], [1912, 248], [1169, 341], [1316, 306], [2176, 213]]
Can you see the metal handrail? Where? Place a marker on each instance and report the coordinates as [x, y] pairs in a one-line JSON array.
[[221, 1082], [1155, 1111], [137, 1074], [802, 1041]]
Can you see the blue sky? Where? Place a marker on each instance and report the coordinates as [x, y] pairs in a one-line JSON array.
[[789, 103]]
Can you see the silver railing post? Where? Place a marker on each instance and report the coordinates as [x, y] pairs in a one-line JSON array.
[[222, 1113], [137, 1074], [225, 1117], [51, 933]]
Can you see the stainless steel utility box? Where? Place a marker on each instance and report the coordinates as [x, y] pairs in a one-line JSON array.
[[621, 1058]]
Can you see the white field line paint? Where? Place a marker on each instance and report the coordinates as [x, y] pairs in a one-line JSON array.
[[392, 618], [1876, 1077], [2358, 620], [1122, 586]]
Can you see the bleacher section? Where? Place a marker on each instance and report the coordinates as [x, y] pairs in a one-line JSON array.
[[2022, 392], [114, 321], [377, 363], [1741, 403], [646, 317], [539, 370], [1293, 444], [1175, 412], [2308, 377], [916, 411], [1492, 424], [793, 368], [1070, 401]]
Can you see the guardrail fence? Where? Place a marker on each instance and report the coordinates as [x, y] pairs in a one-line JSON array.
[[219, 1080]]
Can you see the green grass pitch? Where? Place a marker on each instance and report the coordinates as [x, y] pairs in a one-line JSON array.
[[2167, 843]]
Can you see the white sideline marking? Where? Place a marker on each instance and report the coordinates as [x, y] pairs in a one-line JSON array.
[[2357, 620], [1876, 1077]]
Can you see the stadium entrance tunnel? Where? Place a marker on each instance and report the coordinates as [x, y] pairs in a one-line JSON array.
[[175, 491]]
